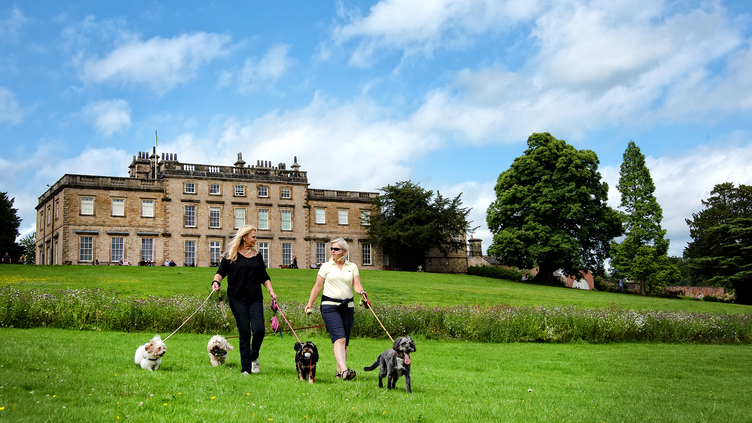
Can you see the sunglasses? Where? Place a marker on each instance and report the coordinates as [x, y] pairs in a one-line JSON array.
[[336, 249]]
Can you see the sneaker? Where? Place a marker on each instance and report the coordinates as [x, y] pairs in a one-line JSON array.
[[254, 366], [245, 373], [348, 374]]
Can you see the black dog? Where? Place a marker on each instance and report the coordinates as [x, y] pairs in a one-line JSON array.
[[395, 362], [306, 357]]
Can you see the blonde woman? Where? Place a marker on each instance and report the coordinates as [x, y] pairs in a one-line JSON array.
[[338, 278], [246, 274]]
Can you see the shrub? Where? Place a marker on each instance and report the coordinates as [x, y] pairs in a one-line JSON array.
[[96, 309], [495, 272]]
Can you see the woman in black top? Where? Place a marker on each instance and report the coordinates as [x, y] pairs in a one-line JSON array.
[[246, 273]]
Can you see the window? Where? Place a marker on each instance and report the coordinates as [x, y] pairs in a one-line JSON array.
[[49, 215], [116, 252], [118, 207], [320, 216], [214, 189], [190, 253], [87, 205], [286, 220], [365, 217], [320, 252], [147, 208], [147, 249], [57, 209], [41, 220], [86, 248], [263, 248], [286, 253], [215, 251], [367, 255], [239, 218], [190, 188], [214, 214], [240, 190], [263, 191], [342, 217], [284, 193], [190, 217], [263, 219]]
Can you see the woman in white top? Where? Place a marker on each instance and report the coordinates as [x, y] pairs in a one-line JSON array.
[[338, 278]]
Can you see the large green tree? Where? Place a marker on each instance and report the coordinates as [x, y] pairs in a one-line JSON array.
[[9, 223], [409, 220], [721, 251], [643, 255], [550, 211]]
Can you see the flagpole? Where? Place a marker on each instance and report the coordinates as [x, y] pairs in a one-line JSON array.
[[155, 153]]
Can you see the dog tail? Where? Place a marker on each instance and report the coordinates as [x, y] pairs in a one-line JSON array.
[[374, 365]]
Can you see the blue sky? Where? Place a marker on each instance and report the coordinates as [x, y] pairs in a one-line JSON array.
[[365, 94]]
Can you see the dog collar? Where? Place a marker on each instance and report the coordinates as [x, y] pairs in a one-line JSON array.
[[152, 359]]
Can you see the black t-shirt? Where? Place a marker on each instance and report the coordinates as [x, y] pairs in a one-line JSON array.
[[244, 277]]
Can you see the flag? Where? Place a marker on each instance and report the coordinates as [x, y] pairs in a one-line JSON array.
[[155, 137]]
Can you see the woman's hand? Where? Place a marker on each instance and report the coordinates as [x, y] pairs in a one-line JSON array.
[[216, 286], [272, 294]]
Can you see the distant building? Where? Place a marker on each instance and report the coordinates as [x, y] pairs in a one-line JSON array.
[[188, 213]]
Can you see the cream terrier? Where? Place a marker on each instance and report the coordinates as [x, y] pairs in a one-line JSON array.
[[218, 348], [149, 355]]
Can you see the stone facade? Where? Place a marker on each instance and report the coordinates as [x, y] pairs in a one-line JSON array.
[[189, 213]]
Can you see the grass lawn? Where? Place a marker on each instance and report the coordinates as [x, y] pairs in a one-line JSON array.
[[384, 287], [59, 375]]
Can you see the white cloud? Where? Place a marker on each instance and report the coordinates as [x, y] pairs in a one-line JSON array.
[[601, 64], [421, 27], [354, 146], [682, 182], [161, 63], [9, 27], [265, 71], [108, 116], [10, 111]]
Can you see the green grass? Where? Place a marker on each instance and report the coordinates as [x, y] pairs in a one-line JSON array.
[[384, 287], [59, 375]]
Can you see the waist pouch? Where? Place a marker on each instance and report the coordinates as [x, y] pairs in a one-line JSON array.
[[348, 302]]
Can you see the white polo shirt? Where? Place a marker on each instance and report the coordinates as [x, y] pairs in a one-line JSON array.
[[338, 283]]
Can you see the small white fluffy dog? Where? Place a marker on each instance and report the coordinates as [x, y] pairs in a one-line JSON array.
[[149, 355], [218, 348]]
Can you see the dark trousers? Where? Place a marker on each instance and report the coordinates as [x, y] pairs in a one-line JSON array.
[[249, 314]]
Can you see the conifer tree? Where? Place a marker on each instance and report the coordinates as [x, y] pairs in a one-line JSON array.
[[643, 255]]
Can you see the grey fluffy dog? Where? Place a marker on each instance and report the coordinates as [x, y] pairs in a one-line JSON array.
[[395, 362]]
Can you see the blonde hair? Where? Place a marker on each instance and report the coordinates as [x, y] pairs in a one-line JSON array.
[[342, 244], [237, 242]]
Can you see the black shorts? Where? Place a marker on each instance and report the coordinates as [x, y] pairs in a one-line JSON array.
[[338, 320]]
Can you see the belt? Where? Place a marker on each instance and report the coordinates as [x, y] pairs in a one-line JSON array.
[[348, 302]]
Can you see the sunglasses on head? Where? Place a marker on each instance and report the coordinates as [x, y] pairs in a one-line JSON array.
[[336, 249]]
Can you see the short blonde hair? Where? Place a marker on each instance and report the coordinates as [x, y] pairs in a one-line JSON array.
[[343, 245], [237, 241]]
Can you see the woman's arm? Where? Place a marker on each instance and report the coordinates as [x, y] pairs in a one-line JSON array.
[[217, 279], [315, 291], [268, 285], [357, 286]]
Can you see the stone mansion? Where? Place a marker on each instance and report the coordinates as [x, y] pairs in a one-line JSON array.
[[188, 213]]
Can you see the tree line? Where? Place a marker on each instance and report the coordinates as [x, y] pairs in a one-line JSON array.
[[551, 212]]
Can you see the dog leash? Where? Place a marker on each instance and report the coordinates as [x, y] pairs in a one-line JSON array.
[[367, 304], [189, 317], [275, 307], [280, 329]]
